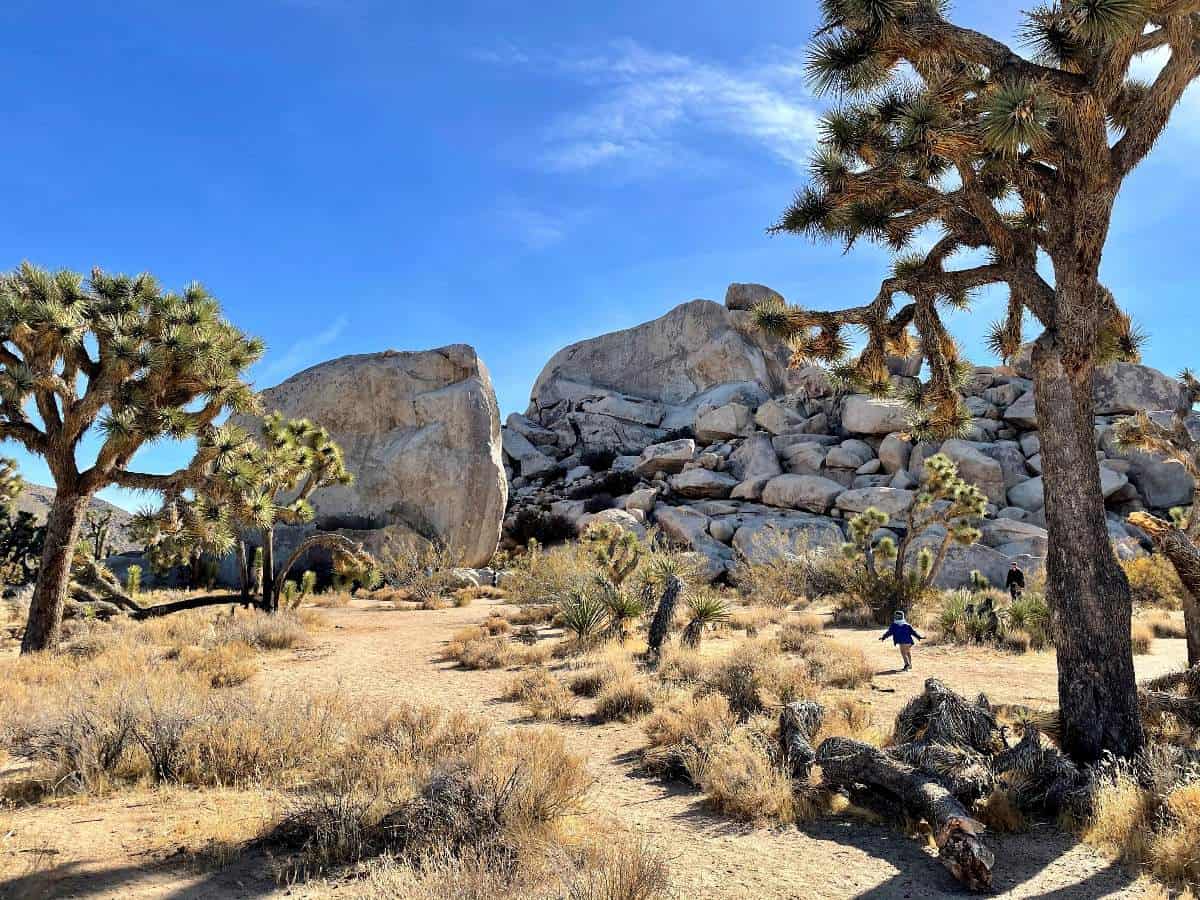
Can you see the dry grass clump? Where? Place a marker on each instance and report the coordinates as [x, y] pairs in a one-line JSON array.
[[1142, 636], [684, 728], [850, 611], [532, 614], [474, 647], [798, 629], [1001, 814], [754, 619], [543, 696], [1162, 624], [754, 677], [1153, 581], [1120, 819], [681, 665], [836, 664], [742, 778], [851, 718], [624, 699], [224, 665], [603, 666], [543, 574]]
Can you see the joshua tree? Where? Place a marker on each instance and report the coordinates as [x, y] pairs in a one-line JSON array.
[[1178, 540], [258, 484], [21, 538], [945, 502], [119, 353], [98, 523], [944, 128]]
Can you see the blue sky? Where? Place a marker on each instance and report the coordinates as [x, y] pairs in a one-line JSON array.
[[353, 175]]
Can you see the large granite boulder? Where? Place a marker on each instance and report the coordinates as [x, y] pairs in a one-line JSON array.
[[748, 296], [754, 459], [763, 540], [421, 434], [808, 492], [866, 415], [1129, 388], [673, 360], [977, 468]]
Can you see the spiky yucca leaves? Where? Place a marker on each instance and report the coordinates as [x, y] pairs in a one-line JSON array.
[[117, 355], [583, 614], [705, 609], [892, 576], [976, 125]]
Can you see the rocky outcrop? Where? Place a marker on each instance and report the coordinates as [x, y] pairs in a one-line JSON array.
[[690, 423], [421, 434]]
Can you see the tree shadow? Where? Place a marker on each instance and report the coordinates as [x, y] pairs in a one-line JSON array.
[[245, 877]]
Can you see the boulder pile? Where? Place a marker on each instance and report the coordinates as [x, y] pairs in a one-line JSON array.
[[694, 423]]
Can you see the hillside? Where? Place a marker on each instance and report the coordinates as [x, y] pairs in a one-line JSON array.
[[36, 498]]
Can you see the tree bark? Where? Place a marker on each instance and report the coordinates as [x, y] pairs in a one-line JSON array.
[[664, 616], [54, 575], [848, 762], [268, 570], [243, 565], [1088, 594], [1175, 545], [325, 539]]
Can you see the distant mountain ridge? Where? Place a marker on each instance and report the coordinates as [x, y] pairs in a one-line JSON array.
[[36, 498]]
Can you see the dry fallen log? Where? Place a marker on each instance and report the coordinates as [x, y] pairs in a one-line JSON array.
[[846, 762], [798, 725], [940, 716], [1041, 776], [962, 771]]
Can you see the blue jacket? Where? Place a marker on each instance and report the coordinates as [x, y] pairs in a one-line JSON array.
[[901, 633]]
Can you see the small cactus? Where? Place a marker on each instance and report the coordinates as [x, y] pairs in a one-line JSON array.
[[308, 583], [291, 594]]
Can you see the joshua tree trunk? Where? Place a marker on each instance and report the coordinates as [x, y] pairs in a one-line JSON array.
[[268, 570], [664, 616], [1184, 555], [54, 575], [1088, 593], [243, 564]]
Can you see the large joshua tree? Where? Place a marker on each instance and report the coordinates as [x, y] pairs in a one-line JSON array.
[[1003, 158], [118, 353]]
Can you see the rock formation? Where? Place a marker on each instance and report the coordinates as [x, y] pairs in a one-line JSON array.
[[421, 434], [693, 422]]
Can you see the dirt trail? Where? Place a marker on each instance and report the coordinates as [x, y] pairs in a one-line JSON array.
[[392, 655]]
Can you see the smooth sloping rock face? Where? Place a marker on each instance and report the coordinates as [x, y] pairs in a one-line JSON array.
[[763, 540], [672, 359], [421, 434], [1129, 388], [748, 296], [977, 468], [669, 457], [865, 415]]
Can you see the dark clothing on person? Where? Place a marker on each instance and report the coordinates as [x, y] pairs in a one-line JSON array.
[[1015, 582], [901, 633]]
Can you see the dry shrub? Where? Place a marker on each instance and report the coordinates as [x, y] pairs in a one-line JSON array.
[[497, 624], [1153, 581], [533, 614], [1142, 636], [1001, 814], [224, 665], [543, 574], [798, 628], [684, 727], [740, 779], [681, 665], [754, 677], [753, 619], [836, 664], [850, 611], [850, 718], [543, 696], [624, 869], [1162, 624], [1017, 641], [1120, 818], [624, 699], [599, 668], [1174, 854], [474, 648]]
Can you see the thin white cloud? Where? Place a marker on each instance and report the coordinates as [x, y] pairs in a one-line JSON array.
[[532, 228], [651, 108], [304, 351]]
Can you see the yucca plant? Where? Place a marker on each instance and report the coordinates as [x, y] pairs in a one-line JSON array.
[[1029, 613], [308, 583], [1008, 161], [668, 572], [583, 615], [705, 610], [623, 608]]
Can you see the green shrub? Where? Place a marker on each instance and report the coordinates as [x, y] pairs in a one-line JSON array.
[[1153, 581], [133, 580], [290, 594]]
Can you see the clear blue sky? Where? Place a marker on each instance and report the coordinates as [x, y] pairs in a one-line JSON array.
[[353, 175]]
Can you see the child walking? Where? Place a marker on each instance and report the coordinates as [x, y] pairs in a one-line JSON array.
[[902, 635]]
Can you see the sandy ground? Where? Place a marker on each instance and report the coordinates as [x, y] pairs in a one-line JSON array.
[[136, 845]]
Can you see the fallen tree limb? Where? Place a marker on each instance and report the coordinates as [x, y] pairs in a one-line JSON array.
[[847, 763]]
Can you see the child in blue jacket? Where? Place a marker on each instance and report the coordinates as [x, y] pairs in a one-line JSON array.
[[902, 635]]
